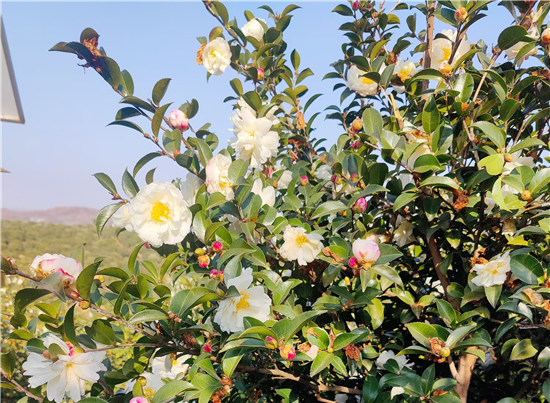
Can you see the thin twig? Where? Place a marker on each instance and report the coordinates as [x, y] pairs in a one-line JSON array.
[[19, 387]]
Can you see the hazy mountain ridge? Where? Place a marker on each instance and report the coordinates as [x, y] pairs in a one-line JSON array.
[[56, 215]]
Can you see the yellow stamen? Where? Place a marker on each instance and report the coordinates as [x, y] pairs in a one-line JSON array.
[[148, 392], [367, 80], [160, 212], [447, 53], [301, 240], [243, 303]]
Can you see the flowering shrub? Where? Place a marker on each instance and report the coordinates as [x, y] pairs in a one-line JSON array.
[[407, 262]]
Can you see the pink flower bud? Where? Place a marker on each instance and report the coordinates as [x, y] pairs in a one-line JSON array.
[[217, 246], [214, 273], [333, 178], [178, 120], [207, 348], [545, 37], [304, 180], [355, 6], [271, 343], [356, 144], [139, 400], [288, 352], [352, 262], [260, 74], [360, 206], [367, 252]]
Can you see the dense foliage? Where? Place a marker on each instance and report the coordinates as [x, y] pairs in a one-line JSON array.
[[407, 262]]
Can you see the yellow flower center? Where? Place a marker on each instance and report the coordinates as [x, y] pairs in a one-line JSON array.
[[301, 240], [404, 73], [224, 182], [160, 212], [447, 52], [495, 271], [148, 392], [243, 303], [366, 80]]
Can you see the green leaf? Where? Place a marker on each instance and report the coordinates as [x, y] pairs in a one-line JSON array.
[[128, 82], [372, 121], [230, 361], [430, 116], [403, 199], [7, 361], [388, 272], [211, 230], [510, 36], [457, 335], [103, 216], [126, 123], [69, 326], [321, 361], [147, 315], [422, 332], [138, 103], [494, 133], [129, 185], [539, 182], [158, 118], [160, 90], [446, 311], [493, 294], [523, 350], [105, 181], [387, 254], [205, 153], [440, 181], [328, 208], [493, 164], [144, 160], [85, 280], [171, 389], [27, 296]]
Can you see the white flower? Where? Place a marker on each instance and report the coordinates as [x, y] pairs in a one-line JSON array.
[[442, 49], [362, 85], [153, 382], [44, 265], [267, 194], [254, 29], [365, 251], [404, 69], [324, 172], [254, 140], [217, 171], [270, 114], [397, 390], [165, 367], [160, 215], [386, 355], [251, 302], [68, 374], [341, 398], [190, 187], [422, 149], [312, 352], [121, 218], [516, 162], [493, 272], [284, 180], [403, 235], [216, 56], [511, 53], [301, 246], [490, 202], [509, 227]]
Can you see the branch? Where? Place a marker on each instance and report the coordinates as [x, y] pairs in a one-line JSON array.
[[437, 259], [314, 386], [466, 366], [429, 39], [19, 387]]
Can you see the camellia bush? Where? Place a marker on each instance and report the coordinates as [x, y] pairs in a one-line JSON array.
[[408, 262]]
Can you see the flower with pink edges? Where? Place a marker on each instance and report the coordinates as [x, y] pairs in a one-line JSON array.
[[217, 246], [204, 261], [366, 252], [139, 399], [214, 273], [270, 343], [288, 352], [360, 205], [178, 120], [304, 180], [46, 264]]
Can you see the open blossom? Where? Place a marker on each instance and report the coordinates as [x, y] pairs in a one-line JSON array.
[[284, 180], [362, 85], [386, 355], [301, 246], [512, 52], [493, 272], [44, 265], [270, 114], [403, 235], [68, 374], [217, 180], [515, 160], [254, 140], [190, 187], [216, 56], [252, 301], [366, 252], [404, 69], [442, 49], [254, 29], [178, 120], [160, 215], [121, 218], [267, 194], [139, 399]]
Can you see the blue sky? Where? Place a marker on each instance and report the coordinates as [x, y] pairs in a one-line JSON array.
[[65, 139]]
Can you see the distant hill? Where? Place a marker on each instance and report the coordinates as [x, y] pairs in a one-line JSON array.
[[56, 215]]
